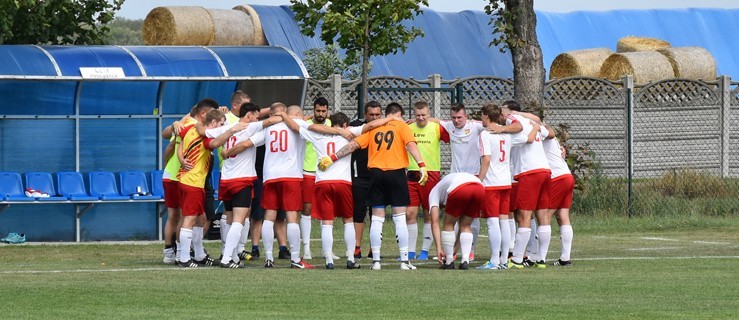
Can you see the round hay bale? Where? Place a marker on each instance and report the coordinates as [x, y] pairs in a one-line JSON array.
[[634, 44], [257, 34], [185, 25], [232, 27], [691, 62], [644, 66], [585, 63]]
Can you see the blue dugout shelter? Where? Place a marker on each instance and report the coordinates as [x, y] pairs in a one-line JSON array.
[[102, 108]]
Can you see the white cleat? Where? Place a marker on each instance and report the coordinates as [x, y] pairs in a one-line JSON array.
[[376, 265], [406, 265]]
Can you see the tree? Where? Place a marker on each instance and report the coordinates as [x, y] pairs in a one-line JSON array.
[[514, 26], [56, 21], [323, 62], [368, 27], [125, 32]]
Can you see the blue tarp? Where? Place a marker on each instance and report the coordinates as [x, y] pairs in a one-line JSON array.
[[456, 44]]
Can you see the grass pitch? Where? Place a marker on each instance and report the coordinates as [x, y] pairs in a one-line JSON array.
[[623, 269]]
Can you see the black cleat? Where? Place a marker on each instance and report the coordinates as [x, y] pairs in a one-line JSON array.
[[269, 264], [464, 266], [563, 263], [449, 266], [330, 266], [255, 253], [357, 253], [285, 254], [528, 263], [206, 262], [188, 264], [232, 265], [352, 265], [245, 256]]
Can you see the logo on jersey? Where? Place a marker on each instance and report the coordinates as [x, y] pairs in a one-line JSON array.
[[467, 131]]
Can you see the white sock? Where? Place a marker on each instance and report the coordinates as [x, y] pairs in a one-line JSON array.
[[512, 232], [427, 237], [376, 236], [224, 229], [532, 246], [243, 236], [465, 244], [293, 239], [447, 244], [184, 246], [505, 240], [522, 237], [268, 238], [179, 249], [327, 242], [412, 237], [566, 234], [475, 228], [545, 236], [232, 238], [305, 229], [401, 231], [197, 243], [494, 236], [350, 240]]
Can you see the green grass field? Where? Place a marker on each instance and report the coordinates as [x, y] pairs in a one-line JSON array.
[[634, 269]]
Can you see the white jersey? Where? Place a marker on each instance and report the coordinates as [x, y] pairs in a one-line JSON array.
[[554, 157], [498, 147], [440, 193], [529, 157], [465, 146], [240, 165], [284, 152], [325, 145]]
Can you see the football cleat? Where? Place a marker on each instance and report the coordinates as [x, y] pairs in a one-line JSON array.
[[464, 266], [472, 256], [330, 266], [541, 264], [15, 238], [515, 265], [488, 266], [406, 265], [449, 266], [376, 265], [284, 254], [352, 265], [357, 253], [206, 262], [188, 264], [255, 253], [232, 265], [528, 263], [301, 265], [503, 266], [424, 255], [562, 263], [269, 264], [411, 255], [245, 256]]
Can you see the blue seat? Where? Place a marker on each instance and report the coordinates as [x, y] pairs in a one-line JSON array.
[[103, 186], [72, 186], [11, 187], [157, 188], [42, 181], [133, 184]]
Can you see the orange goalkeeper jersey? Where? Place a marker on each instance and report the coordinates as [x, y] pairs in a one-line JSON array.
[[386, 145]]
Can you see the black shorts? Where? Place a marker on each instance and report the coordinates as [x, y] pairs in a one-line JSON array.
[[388, 188], [360, 192], [241, 199], [257, 212]]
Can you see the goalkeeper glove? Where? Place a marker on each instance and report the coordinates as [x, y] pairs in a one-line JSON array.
[[327, 162], [424, 173]]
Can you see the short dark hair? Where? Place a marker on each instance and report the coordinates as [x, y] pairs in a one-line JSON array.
[[339, 119], [393, 107], [492, 111], [457, 107], [206, 103], [320, 101], [371, 104], [248, 107], [513, 105]]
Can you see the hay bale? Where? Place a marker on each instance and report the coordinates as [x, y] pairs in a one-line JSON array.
[[645, 66], [185, 25], [635, 44], [584, 63], [691, 62], [257, 34], [232, 27]]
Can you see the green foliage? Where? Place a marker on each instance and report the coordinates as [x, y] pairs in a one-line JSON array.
[[56, 21], [580, 158], [125, 32], [691, 184], [323, 62], [503, 22]]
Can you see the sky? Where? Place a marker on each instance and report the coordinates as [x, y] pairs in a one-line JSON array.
[[138, 9]]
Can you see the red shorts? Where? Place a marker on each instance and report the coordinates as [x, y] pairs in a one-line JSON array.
[[192, 200], [309, 182], [420, 194], [467, 200], [496, 202], [533, 191], [333, 200], [171, 193], [228, 188], [560, 191], [513, 198], [285, 195]]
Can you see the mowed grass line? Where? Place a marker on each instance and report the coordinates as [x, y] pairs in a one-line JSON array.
[[671, 286]]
